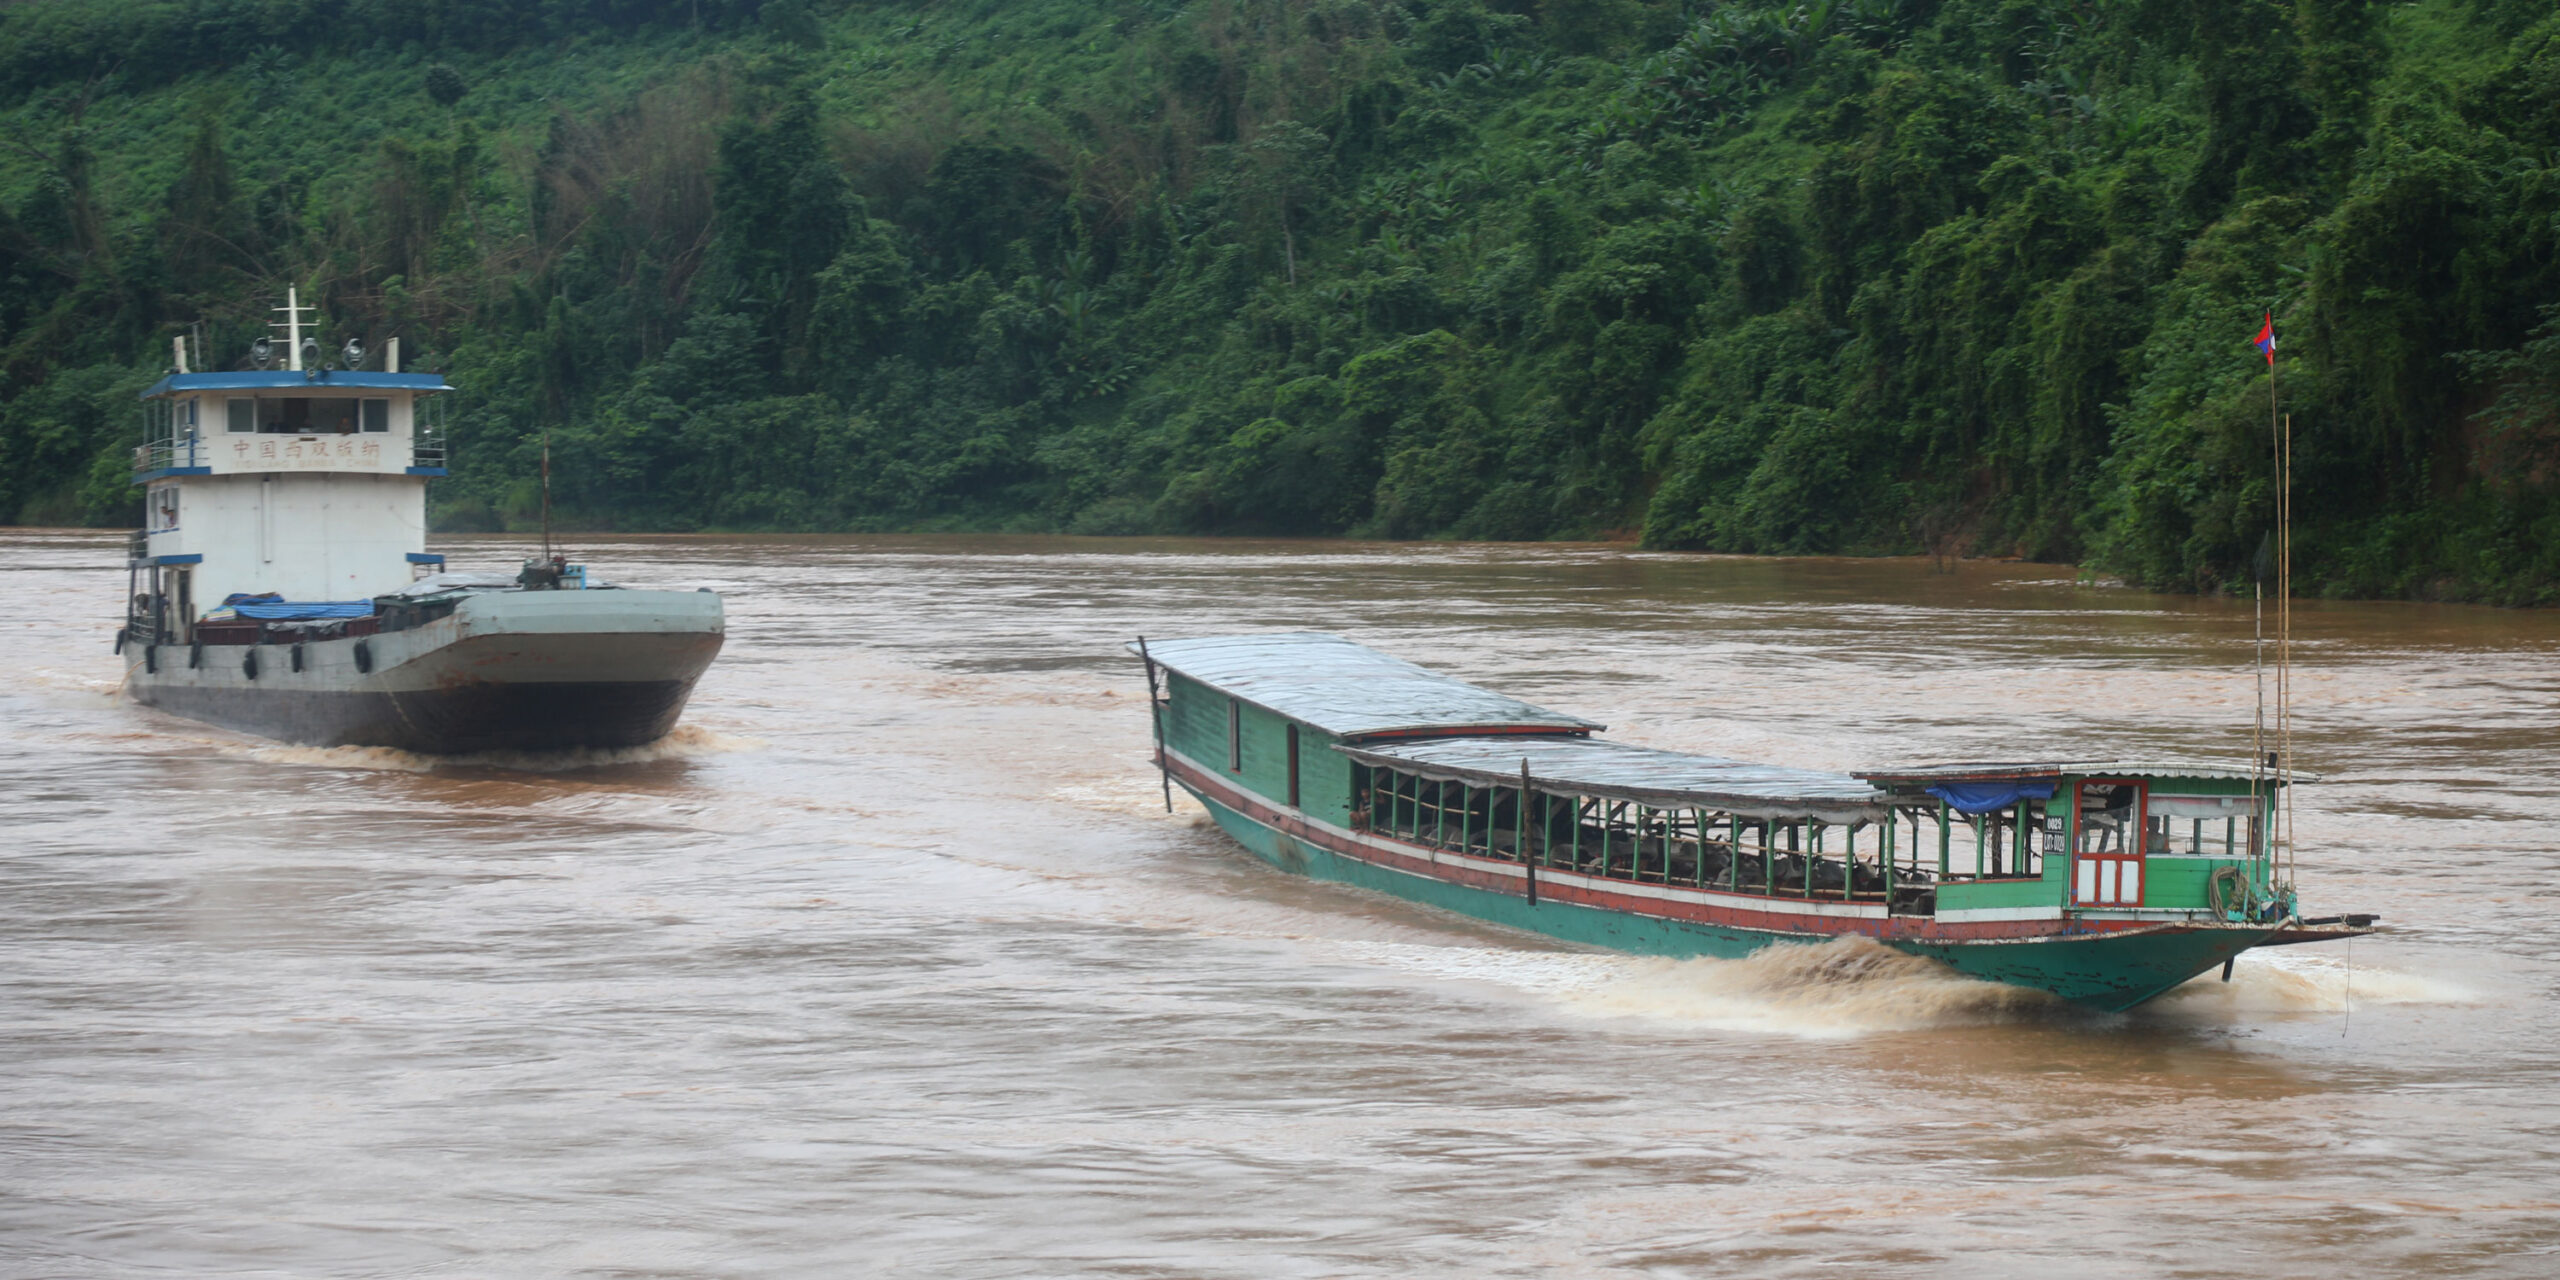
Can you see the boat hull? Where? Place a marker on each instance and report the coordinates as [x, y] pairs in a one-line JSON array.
[[505, 671], [2106, 968]]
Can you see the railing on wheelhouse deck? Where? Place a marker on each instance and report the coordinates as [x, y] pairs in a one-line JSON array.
[[169, 437], [426, 432]]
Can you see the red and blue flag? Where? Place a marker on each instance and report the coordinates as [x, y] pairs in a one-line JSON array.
[[2267, 338]]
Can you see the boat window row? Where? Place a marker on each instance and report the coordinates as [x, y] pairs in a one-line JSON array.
[[305, 415], [2170, 825], [1621, 839]]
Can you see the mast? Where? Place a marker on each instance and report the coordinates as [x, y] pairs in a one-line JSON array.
[[292, 310], [2275, 768], [546, 493]]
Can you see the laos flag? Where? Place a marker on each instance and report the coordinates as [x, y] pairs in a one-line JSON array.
[[2267, 338]]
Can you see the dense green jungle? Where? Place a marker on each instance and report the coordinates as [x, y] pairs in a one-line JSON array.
[[1968, 277]]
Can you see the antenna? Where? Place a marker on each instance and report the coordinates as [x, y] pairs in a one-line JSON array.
[[546, 492]]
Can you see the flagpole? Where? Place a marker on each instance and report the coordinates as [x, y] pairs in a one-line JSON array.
[[2280, 441], [2261, 786]]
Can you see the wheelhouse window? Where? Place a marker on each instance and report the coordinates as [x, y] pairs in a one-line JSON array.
[[376, 415], [2198, 826], [300, 415], [2109, 814], [240, 415]]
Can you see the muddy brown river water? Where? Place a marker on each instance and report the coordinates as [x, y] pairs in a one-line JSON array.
[[890, 962]]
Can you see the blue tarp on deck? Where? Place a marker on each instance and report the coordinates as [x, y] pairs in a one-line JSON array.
[[1987, 797], [304, 610]]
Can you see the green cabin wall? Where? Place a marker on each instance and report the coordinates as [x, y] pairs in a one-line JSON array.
[[2170, 881], [1196, 726], [1975, 895]]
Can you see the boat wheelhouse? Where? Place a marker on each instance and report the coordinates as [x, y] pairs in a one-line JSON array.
[[302, 481], [2104, 882]]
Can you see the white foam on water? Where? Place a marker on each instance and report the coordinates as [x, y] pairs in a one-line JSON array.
[[1845, 987], [2270, 983], [77, 681], [1136, 796], [684, 742]]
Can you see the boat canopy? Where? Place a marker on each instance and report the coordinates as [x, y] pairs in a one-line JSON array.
[[1664, 779], [1931, 775], [1349, 690]]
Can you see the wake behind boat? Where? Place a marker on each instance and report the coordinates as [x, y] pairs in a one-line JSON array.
[[295, 497], [2106, 883]]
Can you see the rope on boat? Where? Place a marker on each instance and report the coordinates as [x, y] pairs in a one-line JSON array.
[[2227, 891]]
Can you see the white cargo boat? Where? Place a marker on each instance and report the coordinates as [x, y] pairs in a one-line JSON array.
[[282, 583]]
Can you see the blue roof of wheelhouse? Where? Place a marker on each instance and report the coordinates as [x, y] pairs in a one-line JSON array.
[[290, 380]]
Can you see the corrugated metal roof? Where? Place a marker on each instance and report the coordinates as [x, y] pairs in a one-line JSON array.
[[1672, 779], [1346, 689], [2221, 770]]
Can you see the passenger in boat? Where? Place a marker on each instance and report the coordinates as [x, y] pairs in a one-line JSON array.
[[2109, 822]]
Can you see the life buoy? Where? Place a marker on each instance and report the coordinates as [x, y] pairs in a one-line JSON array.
[[296, 656], [364, 657], [249, 663]]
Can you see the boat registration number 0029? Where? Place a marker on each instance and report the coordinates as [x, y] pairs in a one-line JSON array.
[[2106, 852]]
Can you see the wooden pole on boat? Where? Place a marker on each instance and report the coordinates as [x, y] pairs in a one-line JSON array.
[[1155, 717], [1521, 835], [2284, 651]]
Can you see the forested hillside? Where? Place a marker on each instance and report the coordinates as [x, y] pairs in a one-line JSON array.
[[1972, 276]]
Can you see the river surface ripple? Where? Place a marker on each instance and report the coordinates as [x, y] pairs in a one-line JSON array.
[[890, 962]]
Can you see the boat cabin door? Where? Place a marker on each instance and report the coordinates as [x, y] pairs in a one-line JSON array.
[[2106, 846]]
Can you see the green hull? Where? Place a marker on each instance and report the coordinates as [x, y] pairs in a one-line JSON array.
[[2112, 972]]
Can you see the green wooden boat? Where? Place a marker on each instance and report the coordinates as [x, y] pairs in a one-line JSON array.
[[2103, 882]]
